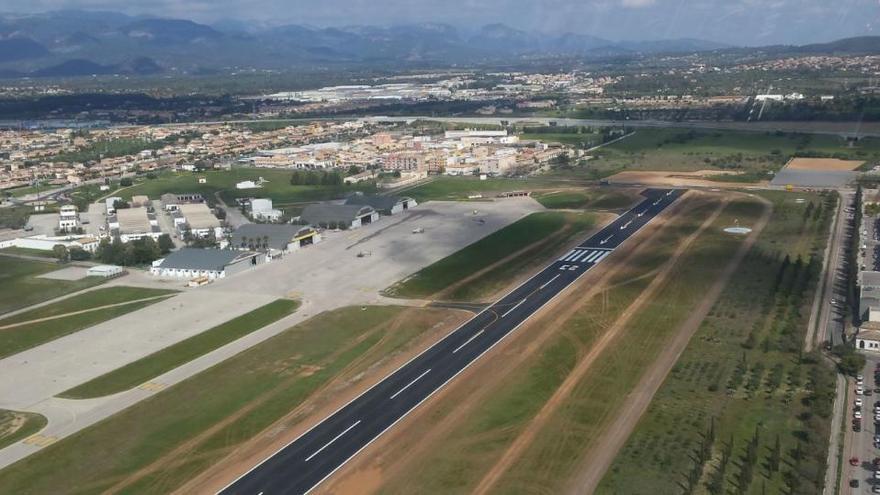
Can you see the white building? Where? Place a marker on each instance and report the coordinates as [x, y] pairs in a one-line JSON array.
[[247, 184], [261, 209], [211, 263], [68, 217], [105, 271], [197, 217]]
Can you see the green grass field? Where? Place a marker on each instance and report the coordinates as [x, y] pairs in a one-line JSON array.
[[17, 339], [239, 398], [277, 188], [15, 426], [40, 253], [492, 248], [447, 188], [159, 362], [688, 150], [458, 462], [600, 199], [20, 287], [741, 373]]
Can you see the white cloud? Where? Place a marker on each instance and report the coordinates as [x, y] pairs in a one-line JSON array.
[[637, 3]]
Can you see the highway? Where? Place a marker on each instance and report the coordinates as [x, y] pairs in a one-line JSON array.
[[311, 458]]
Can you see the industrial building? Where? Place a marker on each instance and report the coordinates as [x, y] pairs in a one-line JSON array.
[[210, 263], [172, 202], [275, 239], [261, 209], [133, 223], [339, 216], [386, 205], [198, 220], [104, 271]]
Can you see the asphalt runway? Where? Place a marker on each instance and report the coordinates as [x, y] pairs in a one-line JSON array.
[[314, 456]]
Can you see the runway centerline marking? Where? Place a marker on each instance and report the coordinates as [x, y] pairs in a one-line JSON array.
[[548, 282], [334, 439], [408, 385], [468, 341], [511, 309]]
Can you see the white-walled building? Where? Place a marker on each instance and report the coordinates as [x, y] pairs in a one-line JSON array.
[[261, 209], [211, 263], [68, 217]]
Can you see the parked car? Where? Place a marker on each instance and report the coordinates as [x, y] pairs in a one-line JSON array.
[[853, 461]]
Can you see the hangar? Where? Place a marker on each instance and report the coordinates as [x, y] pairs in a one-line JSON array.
[[339, 216], [211, 263], [276, 239], [386, 205]]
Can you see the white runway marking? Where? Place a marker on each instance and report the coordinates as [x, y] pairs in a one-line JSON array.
[[408, 385], [468, 341], [511, 309], [334, 439], [593, 256], [600, 258], [580, 256], [566, 255], [548, 282], [572, 256]]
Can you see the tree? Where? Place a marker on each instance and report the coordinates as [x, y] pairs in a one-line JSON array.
[[60, 252], [125, 182], [165, 244], [79, 254], [120, 205]]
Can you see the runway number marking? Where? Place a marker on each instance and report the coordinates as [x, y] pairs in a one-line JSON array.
[[468, 341], [309, 458], [570, 268], [408, 385]]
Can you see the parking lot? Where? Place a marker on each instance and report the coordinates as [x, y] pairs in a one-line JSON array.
[[862, 472]]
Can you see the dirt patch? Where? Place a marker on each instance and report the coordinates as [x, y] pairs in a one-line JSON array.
[[435, 420], [601, 455], [675, 179], [824, 164]]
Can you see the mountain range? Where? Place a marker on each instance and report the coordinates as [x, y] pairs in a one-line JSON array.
[[75, 43]]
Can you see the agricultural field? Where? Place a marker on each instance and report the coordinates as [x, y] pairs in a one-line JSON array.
[[753, 153], [277, 187], [163, 442], [155, 364], [743, 410], [40, 325], [20, 287], [564, 375], [491, 263]]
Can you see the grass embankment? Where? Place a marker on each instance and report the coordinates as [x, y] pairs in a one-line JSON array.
[[15, 425], [20, 287], [216, 410], [532, 239], [462, 458], [277, 187], [743, 411], [19, 338], [600, 199], [690, 150], [40, 253], [159, 362]]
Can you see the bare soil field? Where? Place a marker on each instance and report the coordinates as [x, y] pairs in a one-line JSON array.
[[675, 179], [824, 164]]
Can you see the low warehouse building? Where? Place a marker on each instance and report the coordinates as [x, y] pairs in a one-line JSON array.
[[868, 338], [386, 205], [133, 223], [198, 219], [211, 263], [105, 271], [274, 238], [339, 216]]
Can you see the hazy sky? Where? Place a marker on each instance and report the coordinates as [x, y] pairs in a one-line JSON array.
[[744, 22]]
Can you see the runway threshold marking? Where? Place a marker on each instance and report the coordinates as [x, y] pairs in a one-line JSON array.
[[337, 437], [408, 385], [548, 282], [468, 341], [511, 309]]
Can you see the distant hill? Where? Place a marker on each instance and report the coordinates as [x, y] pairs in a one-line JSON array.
[[70, 43], [13, 49]]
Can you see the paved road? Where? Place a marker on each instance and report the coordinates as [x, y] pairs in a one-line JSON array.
[[314, 456]]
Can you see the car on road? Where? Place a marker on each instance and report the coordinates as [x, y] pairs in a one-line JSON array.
[[858, 415], [853, 461], [854, 483]]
